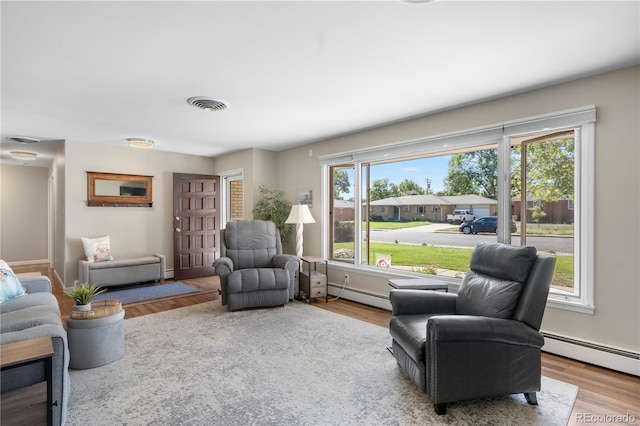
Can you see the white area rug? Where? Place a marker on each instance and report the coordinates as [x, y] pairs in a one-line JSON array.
[[296, 365]]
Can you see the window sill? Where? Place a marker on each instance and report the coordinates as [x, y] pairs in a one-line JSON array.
[[570, 305], [554, 300]]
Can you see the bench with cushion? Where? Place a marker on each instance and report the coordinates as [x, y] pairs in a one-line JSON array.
[[111, 273]]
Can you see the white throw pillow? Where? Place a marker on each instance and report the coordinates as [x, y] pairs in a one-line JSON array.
[[97, 249]]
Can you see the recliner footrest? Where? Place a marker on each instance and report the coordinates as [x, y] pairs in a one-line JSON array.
[[258, 279]]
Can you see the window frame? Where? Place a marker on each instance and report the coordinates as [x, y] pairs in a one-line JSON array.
[[226, 177], [581, 120]]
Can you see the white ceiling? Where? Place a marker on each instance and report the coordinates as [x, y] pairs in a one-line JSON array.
[[292, 72]]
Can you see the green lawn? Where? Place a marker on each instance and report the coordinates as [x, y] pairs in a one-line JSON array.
[[547, 229], [395, 225], [428, 258], [532, 229]]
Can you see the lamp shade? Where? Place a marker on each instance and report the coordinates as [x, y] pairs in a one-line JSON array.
[[300, 213]]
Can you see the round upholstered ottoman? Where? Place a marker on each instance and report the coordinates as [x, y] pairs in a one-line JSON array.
[[95, 341]]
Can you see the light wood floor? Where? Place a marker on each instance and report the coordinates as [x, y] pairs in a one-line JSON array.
[[602, 392]]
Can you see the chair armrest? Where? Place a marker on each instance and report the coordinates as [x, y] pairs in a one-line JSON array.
[[223, 266], [286, 261], [417, 302], [83, 271], [468, 328], [36, 284], [42, 330], [163, 265]]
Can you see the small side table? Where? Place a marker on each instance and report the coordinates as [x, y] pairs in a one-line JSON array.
[[25, 352], [419, 284], [311, 282], [96, 337]]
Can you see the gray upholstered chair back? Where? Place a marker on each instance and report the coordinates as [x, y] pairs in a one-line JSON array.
[[251, 243], [506, 282]]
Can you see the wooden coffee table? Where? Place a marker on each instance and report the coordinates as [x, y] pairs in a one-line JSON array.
[[25, 352]]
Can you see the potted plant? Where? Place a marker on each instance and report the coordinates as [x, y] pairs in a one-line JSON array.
[[82, 294], [274, 207]]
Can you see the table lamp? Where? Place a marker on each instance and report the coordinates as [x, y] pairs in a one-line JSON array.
[[300, 214]]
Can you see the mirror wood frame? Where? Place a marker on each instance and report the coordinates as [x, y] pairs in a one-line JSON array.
[[96, 200]]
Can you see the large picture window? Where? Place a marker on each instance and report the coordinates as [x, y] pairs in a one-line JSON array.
[[421, 207]]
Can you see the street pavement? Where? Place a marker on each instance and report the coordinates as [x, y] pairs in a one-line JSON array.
[[434, 234]]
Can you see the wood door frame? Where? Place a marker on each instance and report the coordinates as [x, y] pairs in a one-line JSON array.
[[205, 270]]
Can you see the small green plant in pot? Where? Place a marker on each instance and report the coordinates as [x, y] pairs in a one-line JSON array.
[[82, 294]]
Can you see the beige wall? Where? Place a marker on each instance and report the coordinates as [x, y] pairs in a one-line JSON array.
[[258, 166], [134, 231], [616, 321], [58, 208], [24, 213], [298, 168]]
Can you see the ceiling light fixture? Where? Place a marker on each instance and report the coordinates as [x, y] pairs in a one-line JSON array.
[[207, 104], [23, 140], [23, 155], [141, 143]]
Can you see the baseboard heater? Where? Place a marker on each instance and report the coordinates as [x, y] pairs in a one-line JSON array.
[[614, 351], [592, 353]]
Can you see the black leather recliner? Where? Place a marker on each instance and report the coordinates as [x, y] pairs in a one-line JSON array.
[[483, 341]]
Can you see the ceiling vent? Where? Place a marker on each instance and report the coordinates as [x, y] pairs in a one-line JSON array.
[[23, 140], [207, 104]]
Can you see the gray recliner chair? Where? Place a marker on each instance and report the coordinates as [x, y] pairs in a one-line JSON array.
[[252, 269], [483, 341]]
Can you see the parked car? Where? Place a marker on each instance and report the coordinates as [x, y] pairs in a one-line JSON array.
[[460, 216], [483, 224]]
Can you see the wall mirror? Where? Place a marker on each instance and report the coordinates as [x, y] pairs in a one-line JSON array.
[[118, 190]]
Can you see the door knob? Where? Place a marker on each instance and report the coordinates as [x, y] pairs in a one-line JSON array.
[[177, 229]]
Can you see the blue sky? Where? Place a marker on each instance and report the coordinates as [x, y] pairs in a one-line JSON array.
[[416, 170], [419, 170]]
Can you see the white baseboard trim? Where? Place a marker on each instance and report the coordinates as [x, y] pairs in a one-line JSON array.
[[626, 363], [59, 281], [28, 262], [602, 356], [360, 296]]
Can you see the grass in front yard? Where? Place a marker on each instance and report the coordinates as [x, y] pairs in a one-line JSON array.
[[453, 258], [547, 229], [427, 258], [532, 229], [395, 225]]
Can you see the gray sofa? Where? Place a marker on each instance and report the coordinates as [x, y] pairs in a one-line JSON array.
[[37, 314], [111, 273], [252, 269]]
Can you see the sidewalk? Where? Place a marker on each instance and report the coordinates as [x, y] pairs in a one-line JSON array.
[[427, 228]]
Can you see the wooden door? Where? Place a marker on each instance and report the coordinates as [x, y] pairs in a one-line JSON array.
[[196, 225]]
